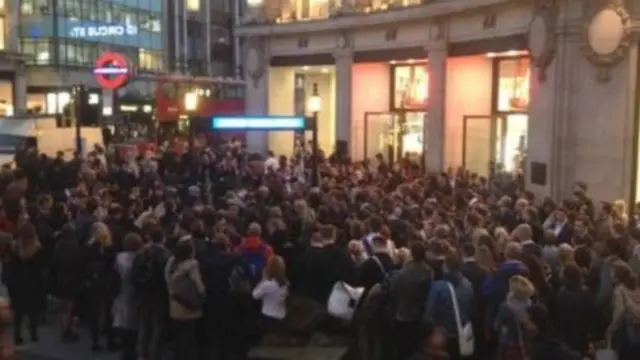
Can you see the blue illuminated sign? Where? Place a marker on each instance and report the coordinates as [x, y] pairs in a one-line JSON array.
[[265, 123]]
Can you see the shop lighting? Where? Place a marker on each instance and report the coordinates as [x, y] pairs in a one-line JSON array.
[[305, 68], [393, 62], [255, 3], [410, 61], [324, 70]]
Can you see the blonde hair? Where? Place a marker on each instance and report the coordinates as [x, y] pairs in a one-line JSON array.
[[402, 256], [276, 270], [522, 233], [101, 234], [520, 288], [565, 252]]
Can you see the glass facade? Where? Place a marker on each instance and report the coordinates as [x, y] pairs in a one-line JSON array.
[[72, 33], [297, 10]]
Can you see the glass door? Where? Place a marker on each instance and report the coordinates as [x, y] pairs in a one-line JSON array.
[[381, 134], [482, 143]]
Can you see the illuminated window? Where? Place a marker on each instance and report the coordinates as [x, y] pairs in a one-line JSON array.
[[33, 7], [193, 5], [2, 5], [410, 87], [37, 50], [149, 60], [513, 84], [2, 32]]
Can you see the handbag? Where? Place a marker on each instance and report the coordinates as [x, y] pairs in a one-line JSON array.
[[343, 300], [185, 292], [466, 340]]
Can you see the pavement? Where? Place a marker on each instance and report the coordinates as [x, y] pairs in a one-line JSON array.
[[50, 347]]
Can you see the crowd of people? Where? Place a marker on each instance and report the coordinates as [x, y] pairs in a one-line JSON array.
[[205, 254]]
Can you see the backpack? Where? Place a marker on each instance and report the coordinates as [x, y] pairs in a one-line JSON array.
[[381, 303], [239, 283], [147, 274], [256, 260]]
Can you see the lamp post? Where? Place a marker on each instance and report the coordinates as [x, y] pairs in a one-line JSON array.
[[190, 106], [314, 106]]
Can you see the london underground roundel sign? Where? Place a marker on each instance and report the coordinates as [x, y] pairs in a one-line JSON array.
[[112, 70]]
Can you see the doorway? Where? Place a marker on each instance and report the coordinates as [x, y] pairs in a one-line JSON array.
[[394, 135], [494, 141]]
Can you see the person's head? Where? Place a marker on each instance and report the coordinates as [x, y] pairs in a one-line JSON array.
[[623, 275], [512, 251], [276, 270], [132, 242], [560, 214], [418, 251], [451, 263], [183, 250], [572, 276], [375, 224], [522, 233], [156, 235], [468, 251], [101, 234], [254, 230], [520, 288], [581, 225], [402, 256], [473, 220], [565, 251]]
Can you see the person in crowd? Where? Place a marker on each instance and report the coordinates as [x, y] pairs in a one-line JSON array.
[[408, 293], [571, 309], [272, 292], [186, 289], [511, 323], [453, 292], [624, 329], [24, 276], [101, 285], [496, 286], [7, 347], [255, 251], [124, 310], [68, 266], [147, 276], [477, 272]]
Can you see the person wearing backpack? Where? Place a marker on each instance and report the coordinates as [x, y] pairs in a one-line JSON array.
[[255, 252], [151, 291], [186, 295], [450, 306]]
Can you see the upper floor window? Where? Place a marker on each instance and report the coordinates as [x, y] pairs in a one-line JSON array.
[[149, 22], [71, 9], [220, 35], [34, 7], [37, 50], [150, 60]]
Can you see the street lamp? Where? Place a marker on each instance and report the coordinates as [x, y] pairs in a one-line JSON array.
[[314, 105], [191, 100]]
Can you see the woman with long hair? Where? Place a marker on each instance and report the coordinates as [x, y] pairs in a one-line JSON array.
[[624, 329], [272, 291], [24, 276], [511, 322]]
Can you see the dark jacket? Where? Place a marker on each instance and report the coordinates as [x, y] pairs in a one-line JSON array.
[[496, 285], [24, 276], [409, 288], [101, 278], [68, 268], [309, 276], [572, 313], [371, 272]]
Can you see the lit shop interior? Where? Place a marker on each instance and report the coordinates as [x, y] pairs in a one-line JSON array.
[[6, 98]]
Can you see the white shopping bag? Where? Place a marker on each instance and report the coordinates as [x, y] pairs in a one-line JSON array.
[[343, 300]]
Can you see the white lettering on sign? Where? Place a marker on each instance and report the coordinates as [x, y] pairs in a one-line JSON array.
[[103, 30]]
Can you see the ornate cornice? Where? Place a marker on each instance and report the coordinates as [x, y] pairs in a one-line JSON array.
[[363, 20]]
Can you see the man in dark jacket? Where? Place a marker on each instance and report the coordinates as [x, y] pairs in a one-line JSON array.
[[151, 288], [409, 289]]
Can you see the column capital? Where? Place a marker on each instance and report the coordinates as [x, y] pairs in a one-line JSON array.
[[343, 55]]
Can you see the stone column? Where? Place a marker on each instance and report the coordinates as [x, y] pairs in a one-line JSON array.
[[344, 64], [257, 95], [434, 127], [20, 91]]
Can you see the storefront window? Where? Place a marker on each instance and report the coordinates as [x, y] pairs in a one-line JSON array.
[[2, 33], [150, 60], [513, 85], [34, 7], [410, 87], [37, 50]]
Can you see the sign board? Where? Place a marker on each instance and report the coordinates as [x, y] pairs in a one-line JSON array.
[[258, 123], [95, 31], [112, 70]]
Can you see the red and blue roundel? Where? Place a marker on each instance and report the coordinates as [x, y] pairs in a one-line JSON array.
[[112, 70]]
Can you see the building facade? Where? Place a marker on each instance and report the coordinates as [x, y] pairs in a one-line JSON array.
[[549, 88]]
